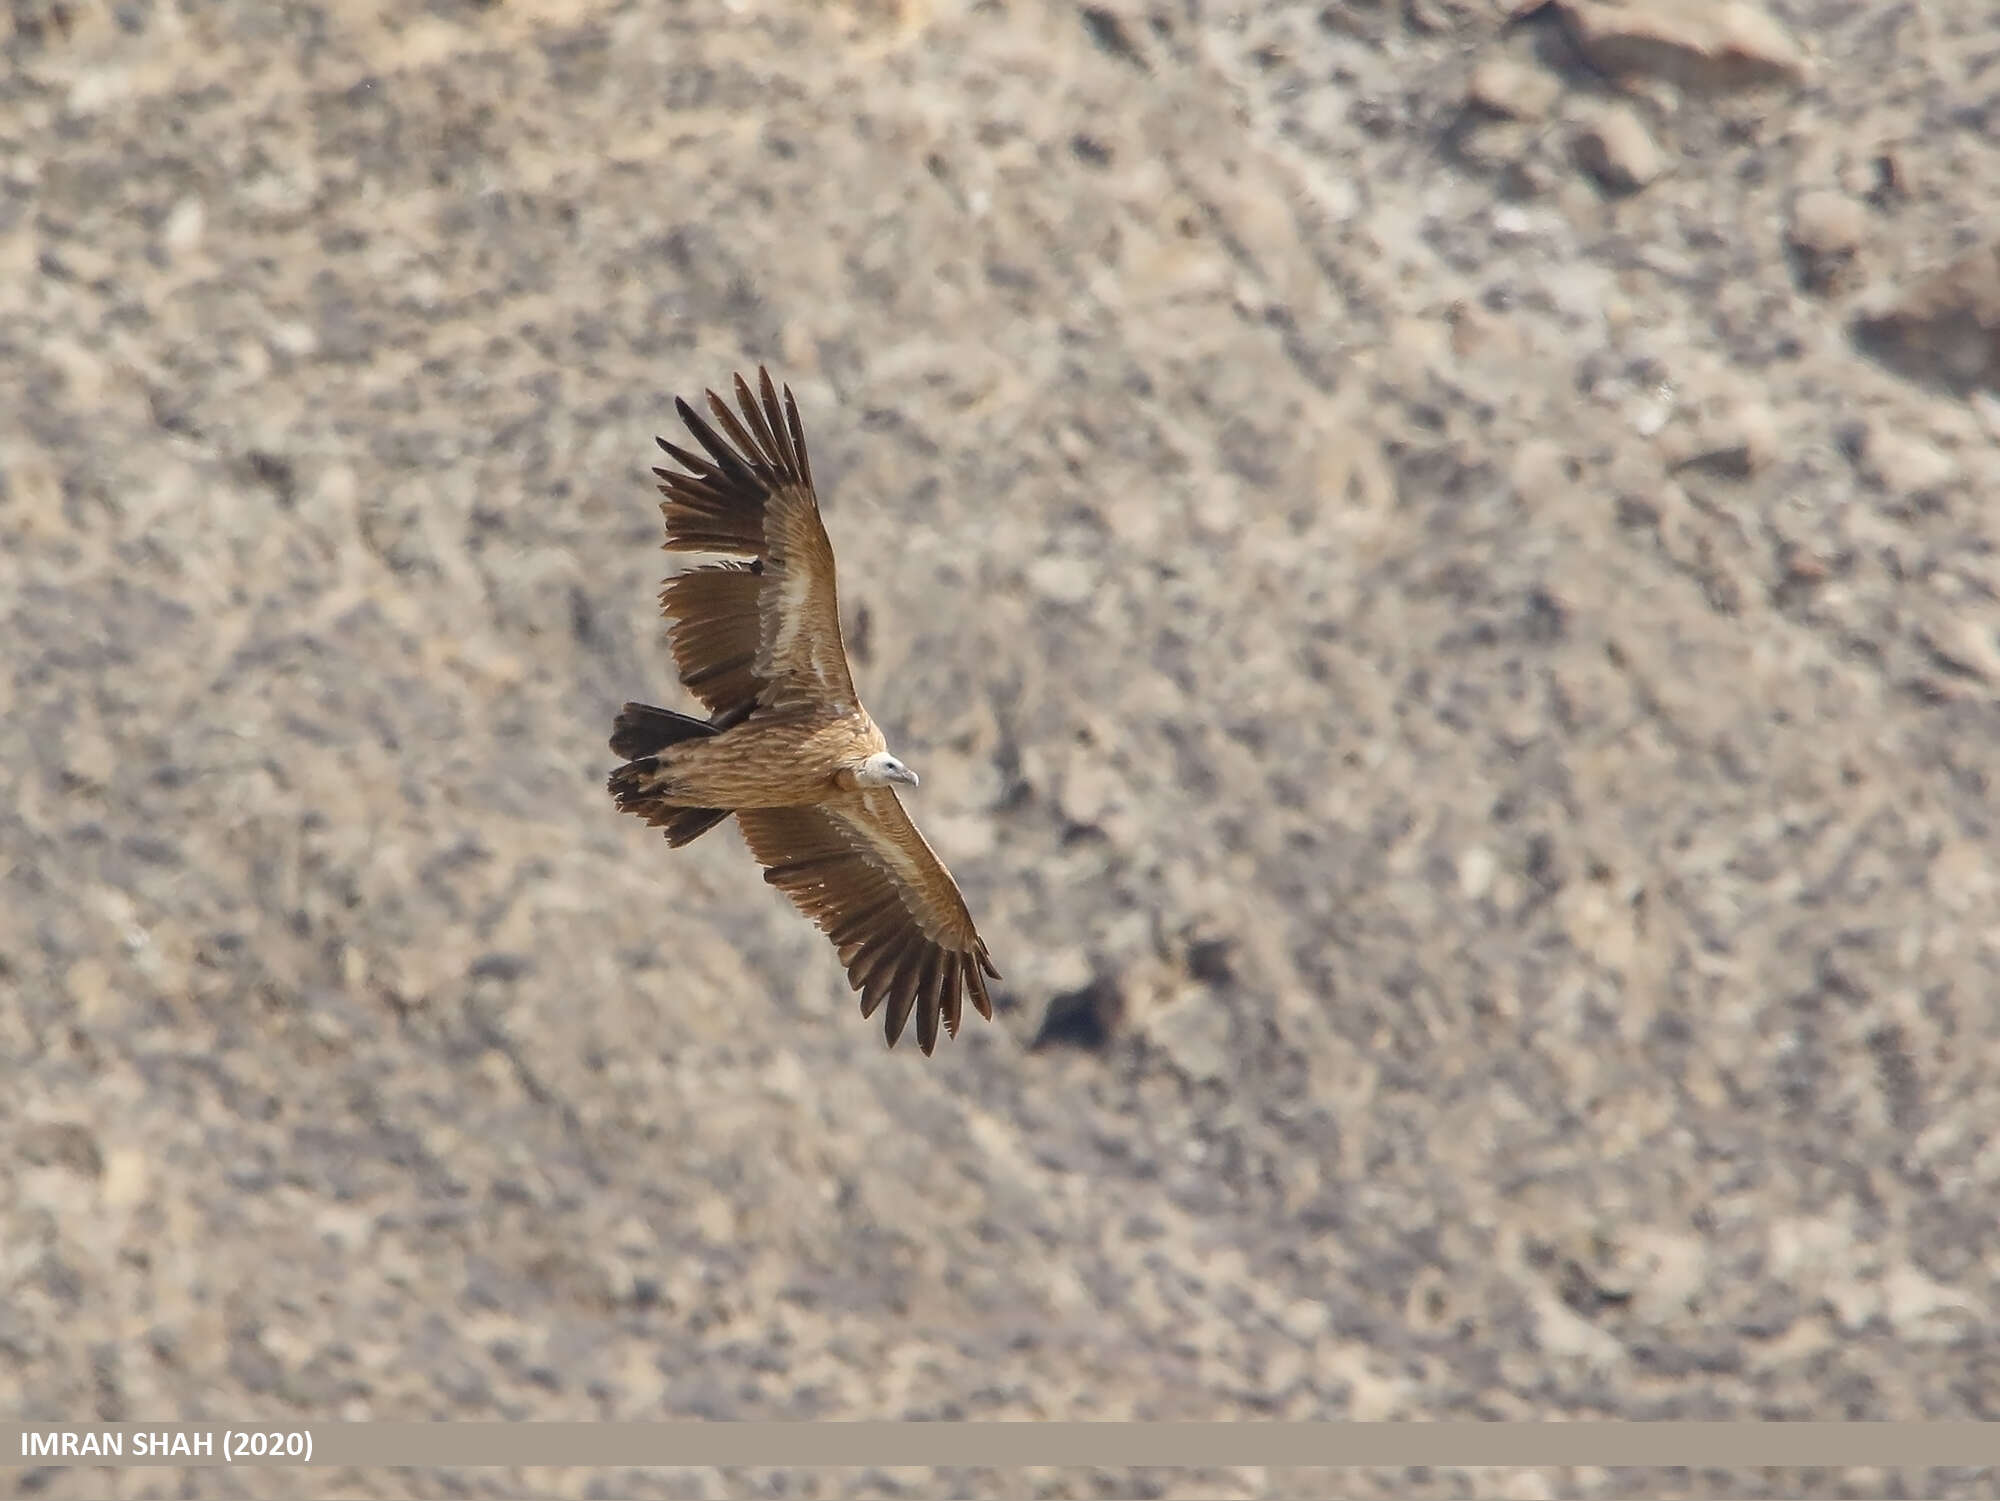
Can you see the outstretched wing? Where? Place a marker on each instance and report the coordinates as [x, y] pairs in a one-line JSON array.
[[859, 869], [764, 631]]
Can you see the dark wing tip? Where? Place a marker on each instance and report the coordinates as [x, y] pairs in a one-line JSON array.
[[798, 436], [720, 407], [975, 985], [772, 412], [951, 993]]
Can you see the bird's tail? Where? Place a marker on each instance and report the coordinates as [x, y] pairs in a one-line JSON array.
[[642, 730], [640, 733]]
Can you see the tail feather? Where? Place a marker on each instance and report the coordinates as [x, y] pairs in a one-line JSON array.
[[640, 733], [642, 730], [632, 788]]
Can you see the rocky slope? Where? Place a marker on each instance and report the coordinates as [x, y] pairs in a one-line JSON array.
[[1437, 561]]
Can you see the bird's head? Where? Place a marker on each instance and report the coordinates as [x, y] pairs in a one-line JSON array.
[[882, 769]]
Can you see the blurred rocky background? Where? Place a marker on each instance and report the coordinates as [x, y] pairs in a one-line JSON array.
[[1437, 560]]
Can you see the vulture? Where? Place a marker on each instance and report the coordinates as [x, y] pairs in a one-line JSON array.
[[787, 746]]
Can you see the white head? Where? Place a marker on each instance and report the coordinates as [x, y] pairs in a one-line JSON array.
[[880, 769]]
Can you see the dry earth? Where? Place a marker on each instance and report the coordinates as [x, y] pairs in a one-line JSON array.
[[1437, 560]]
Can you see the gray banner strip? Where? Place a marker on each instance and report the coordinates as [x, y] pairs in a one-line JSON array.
[[1008, 1445]]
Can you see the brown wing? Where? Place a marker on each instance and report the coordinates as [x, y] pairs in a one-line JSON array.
[[765, 631], [859, 869], [713, 631]]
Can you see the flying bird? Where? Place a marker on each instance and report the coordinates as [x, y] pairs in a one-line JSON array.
[[787, 746]]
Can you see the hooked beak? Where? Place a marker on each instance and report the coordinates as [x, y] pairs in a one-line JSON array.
[[904, 775]]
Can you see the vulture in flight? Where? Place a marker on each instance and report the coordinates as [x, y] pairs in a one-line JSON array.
[[787, 746]]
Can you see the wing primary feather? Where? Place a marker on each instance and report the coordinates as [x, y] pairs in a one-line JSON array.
[[911, 989], [896, 983], [878, 962], [798, 440], [949, 994], [975, 982], [728, 462], [854, 924], [685, 519], [871, 997], [693, 497], [681, 508], [942, 1000], [774, 420], [751, 453], [927, 1008], [702, 468], [717, 464], [768, 448], [944, 988], [929, 971], [902, 998], [864, 940], [686, 541]]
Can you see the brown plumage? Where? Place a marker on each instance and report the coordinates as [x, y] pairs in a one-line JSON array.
[[787, 746]]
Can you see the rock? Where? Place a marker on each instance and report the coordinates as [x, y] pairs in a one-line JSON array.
[[1090, 1018], [1659, 1272], [1513, 90], [184, 226], [1563, 1336], [65, 1144], [1925, 1311], [1305, 1320], [1476, 868], [1904, 464], [1725, 426], [31, 489], [90, 986], [1618, 150], [127, 1177], [1945, 330], [1966, 646], [91, 759], [1478, 337], [1731, 444], [1193, 1031], [1826, 230], [1498, 146], [1702, 46], [1061, 579], [898, 20]]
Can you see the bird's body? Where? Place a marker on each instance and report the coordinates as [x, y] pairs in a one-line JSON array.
[[788, 748], [775, 763]]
